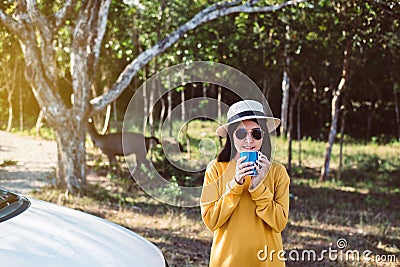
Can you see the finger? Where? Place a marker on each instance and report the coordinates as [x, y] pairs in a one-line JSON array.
[[263, 165], [245, 165], [249, 174], [240, 160], [267, 161], [261, 169], [260, 163], [239, 163], [251, 167], [261, 155], [263, 161], [250, 170], [246, 171]]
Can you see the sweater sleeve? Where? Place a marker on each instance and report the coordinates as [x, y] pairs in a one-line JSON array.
[[273, 209], [217, 204]]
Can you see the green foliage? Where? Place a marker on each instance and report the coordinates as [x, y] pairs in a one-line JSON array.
[[172, 192], [253, 43], [199, 146], [45, 132]]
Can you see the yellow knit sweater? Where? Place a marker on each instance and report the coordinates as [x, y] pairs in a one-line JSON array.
[[247, 224]]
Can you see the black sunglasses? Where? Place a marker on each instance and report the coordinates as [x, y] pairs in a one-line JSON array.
[[256, 133]]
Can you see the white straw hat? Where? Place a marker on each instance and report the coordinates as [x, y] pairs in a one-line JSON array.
[[247, 110]]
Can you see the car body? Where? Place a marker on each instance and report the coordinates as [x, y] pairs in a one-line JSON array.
[[38, 233]]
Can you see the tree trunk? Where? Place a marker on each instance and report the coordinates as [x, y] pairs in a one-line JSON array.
[[266, 88], [151, 115], [39, 122], [71, 155], [335, 110], [10, 86], [342, 127], [204, 90], [10, 111], [296, 94], [285, 103], [163, 108], [219, 99], [145, 104], [332, 135], [369, 119], [299, 128], [107, 117], [114, 111], [169, 121], [182, 104], [285, 88], [21, 109], [290, 137], [396, 106]]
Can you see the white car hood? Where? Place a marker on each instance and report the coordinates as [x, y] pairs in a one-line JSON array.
[[50, 235]]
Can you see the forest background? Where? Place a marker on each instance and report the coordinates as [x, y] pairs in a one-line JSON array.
[[302, 45], [329, 69]]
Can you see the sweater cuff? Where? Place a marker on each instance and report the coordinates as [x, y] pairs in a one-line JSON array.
[[261, 192], [234, 187]]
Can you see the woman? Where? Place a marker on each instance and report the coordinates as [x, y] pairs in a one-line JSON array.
[[246, 213]]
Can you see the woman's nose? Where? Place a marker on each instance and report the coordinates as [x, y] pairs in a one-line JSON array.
[[249, 137]]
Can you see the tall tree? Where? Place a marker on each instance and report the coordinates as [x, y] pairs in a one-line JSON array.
[[361, 24], [335, 108], [285, 87], [341, 11], [290, 132], [10, 86], [39, 26]]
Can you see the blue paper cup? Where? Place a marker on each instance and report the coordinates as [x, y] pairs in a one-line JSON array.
[[251, 156]]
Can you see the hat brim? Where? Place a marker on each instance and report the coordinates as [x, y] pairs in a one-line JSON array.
[[272, 124]]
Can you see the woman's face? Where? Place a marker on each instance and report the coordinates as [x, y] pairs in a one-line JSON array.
[[249, 143]]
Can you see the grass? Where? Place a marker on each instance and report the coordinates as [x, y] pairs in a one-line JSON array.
[[358, 207], [361, 207]]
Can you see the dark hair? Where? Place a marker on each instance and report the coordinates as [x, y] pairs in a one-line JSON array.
[[229, 151]]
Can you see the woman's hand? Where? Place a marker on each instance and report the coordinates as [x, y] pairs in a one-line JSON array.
[[243, 169], [262, 167]]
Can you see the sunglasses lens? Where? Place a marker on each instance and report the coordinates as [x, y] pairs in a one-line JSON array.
[[257, 134], [241, 133]]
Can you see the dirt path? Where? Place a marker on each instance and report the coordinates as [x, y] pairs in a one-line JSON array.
[[26, 163]]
